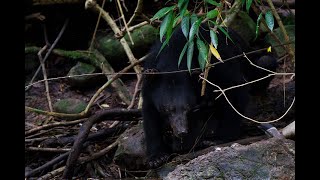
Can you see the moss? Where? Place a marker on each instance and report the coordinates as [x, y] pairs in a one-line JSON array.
[[71, 106]]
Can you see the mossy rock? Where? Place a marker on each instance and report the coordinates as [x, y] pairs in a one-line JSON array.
[[113, 51], [79, 69], [69, 106]]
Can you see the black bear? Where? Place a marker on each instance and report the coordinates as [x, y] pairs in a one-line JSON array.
[[172, 100]]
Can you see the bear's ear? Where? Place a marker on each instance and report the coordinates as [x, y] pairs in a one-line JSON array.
[[150, 73]]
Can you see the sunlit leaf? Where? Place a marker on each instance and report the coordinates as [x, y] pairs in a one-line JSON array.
[[248, 5], [215, 52], [190, 54], [258, 25], [214, 38], [203, 53], [182, 53], [212, 14], [165, 24], [269, 19], [269, 49], [185, 25], [162, 12]]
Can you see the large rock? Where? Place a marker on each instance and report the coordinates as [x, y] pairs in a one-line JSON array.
[[131, 152], [267, 159]]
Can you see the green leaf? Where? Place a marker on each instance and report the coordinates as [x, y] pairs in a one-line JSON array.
[[194, 29], [248, 5], [181, 3], [170, 26], [164, 44], [190, 54], [225, 32], [182, 53], [185, 25], [165, 24], [213, 3], [162, 12], [183, 9], [269, 20], [175, 21], [212, 14], [242, 3], [214, 38], [258, 25], [193, 18], [203, 53]]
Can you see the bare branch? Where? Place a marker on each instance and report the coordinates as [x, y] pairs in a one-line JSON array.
[[51, 48], [223, 93]]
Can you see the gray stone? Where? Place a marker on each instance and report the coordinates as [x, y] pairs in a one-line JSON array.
[[267, 159]]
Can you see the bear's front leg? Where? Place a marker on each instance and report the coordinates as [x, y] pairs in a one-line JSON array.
[[157, 151]]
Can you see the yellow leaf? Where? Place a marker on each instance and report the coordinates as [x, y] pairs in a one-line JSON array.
[[269, 49], [215, 52]]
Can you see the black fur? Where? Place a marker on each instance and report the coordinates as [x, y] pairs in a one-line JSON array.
[[172, 102]]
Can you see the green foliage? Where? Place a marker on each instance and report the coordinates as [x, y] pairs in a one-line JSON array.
[[203, 53], [166, 25], [248, 5], [214, 38], [185, 26], [182, 53], [213, 3], [212, 14], [269, 19], [162, 12], [257, 27], [190, 54], [190, 22], [194, 29]]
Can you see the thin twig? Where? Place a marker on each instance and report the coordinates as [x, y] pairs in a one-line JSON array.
[[48, 126], [58, 150], [124, 21], [45, 77], [136, 90], [83, 134], [223, 93], [52, 174], [51, 48], [98, 154], [136, 11], [96, 28], [167, 72], [47, 165]]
